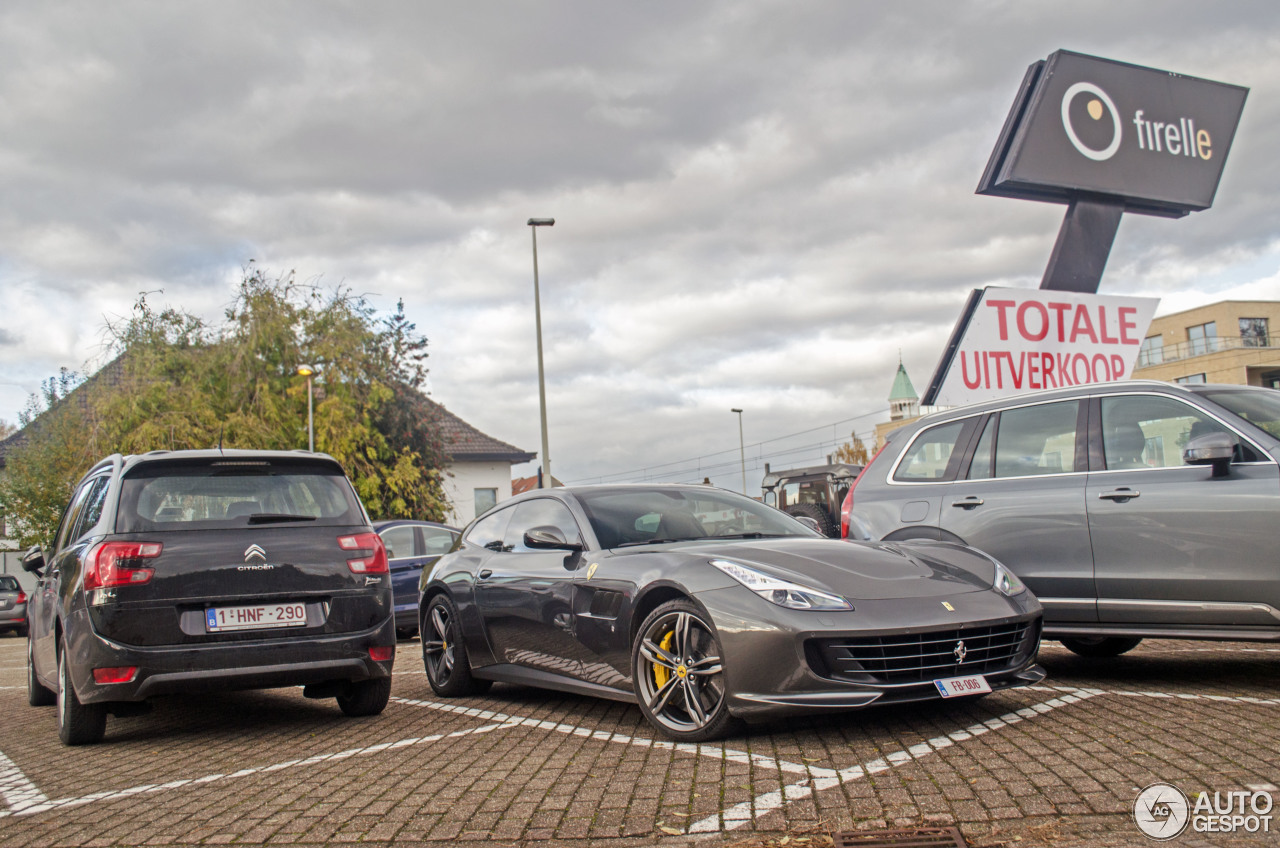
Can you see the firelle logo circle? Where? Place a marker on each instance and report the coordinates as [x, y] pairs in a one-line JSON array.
[[1161, 811], [1095, 107]]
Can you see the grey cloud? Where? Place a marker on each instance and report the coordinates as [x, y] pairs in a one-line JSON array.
[[758, 203]]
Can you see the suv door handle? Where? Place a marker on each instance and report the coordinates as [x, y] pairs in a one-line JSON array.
[[1119, 495], [969, 502]]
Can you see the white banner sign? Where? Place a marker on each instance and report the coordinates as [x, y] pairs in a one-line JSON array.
[[1020, 340]]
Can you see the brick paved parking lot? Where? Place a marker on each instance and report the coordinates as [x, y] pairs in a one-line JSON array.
[[1057, 764]]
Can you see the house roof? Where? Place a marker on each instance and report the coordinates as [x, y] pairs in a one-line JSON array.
[[109, 375], [462, 442], [520, 485], [16, 440], [902, 388]]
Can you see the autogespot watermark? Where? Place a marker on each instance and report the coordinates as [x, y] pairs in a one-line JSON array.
[[1163, 811]]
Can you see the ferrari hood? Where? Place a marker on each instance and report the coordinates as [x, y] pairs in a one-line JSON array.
[[866, 570]]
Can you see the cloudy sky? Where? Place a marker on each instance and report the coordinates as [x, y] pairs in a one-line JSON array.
[[759, 204]]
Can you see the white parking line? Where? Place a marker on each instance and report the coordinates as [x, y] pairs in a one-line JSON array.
[[718, 752], [22, 797], [1175, 696], [742, 814], [816, 778], [25, 799], [18, 791]]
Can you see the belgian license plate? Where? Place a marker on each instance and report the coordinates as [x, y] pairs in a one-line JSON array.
[[952, 687], [254, 617]]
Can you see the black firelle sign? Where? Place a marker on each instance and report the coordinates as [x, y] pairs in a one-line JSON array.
[[1087, 126]]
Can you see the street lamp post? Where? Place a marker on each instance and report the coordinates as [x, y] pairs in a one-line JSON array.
[[307, 371], [534, 223], [742, 451]]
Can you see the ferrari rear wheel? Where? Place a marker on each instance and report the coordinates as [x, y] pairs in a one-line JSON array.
[[679, 673], [443, 655]]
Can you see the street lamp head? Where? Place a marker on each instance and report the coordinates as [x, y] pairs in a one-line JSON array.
[[739, 411], [305, 370], [542, 222]]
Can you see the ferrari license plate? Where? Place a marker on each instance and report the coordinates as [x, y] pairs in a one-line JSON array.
[[952, 687], [255, 617]]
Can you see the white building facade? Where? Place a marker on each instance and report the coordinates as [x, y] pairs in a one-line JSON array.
[[479, 471]]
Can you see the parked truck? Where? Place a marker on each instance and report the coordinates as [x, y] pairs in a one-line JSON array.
[[815, 492]]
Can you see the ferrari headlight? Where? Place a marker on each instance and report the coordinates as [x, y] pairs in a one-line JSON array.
[[781, 592], [1007, 583]]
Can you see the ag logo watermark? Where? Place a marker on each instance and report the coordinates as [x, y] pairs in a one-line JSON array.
[[1163, 811]]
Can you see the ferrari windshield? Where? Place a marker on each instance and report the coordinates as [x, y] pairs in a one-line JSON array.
[[652, 515]]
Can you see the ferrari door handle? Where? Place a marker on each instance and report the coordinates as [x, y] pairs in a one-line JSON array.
[[1119, 495], [968, 503], [484, 574]]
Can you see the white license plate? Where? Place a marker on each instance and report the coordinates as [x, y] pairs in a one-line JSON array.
[[254, 617], [953, 687]]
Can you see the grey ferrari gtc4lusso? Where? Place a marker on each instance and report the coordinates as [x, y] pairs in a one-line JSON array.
[[706, 607]]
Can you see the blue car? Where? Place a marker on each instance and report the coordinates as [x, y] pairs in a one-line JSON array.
[[411, 545]]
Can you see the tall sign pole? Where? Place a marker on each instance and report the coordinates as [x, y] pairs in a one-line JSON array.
[[1104, 138]]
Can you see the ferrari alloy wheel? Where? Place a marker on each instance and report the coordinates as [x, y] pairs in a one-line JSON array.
[[679, 674], [443, 655]]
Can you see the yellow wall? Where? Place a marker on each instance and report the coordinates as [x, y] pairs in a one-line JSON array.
[[1226, 313], [1232, 363]]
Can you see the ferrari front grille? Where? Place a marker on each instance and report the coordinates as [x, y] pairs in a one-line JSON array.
[[904, 658]]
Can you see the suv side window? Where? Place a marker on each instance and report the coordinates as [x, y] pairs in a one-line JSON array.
[[488, 531], [86, 504], [540, 512], [438, 540], [399, 541], [1148, 431], [93, 503], [1034, 440], [980, 467], [930, 454]]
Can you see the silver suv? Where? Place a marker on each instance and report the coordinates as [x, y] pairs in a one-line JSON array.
[[1132, 510]]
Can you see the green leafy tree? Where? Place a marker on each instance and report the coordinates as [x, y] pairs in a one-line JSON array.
[[176, 382], [41, 471]]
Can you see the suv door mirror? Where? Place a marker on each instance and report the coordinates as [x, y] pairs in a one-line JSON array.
[[33, 560], [548, 538], [1216, 449]]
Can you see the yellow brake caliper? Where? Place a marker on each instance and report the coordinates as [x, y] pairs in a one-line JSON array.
[[660, 672]]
